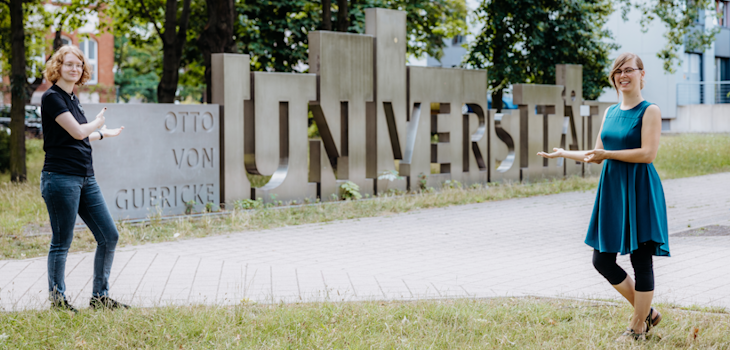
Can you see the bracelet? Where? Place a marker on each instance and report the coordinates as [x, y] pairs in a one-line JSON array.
[[101, 135]]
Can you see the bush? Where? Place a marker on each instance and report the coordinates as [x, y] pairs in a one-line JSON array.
[[248, 203], [4, 149], [349, 190], [451, 184]]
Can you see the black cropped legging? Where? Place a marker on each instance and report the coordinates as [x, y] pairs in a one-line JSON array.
[[641, 260]]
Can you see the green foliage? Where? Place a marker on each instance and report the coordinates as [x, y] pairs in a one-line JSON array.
[[312, 130], [422, 181], [258, 181], [451, 184], [393, 192], [681, 19], [523, 40], [390, 175], [192, 82], [275, 33], [350, 190], [248, 204], [427, 22], [138, 26], [36, 23], [461, 323], [211, 207], [190, 207], [692, 154], [138, 68]]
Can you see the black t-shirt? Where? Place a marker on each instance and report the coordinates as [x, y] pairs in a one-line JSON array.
[[64, 154]]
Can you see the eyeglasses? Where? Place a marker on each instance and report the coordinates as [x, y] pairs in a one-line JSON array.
[[626, 71], [73, 66]]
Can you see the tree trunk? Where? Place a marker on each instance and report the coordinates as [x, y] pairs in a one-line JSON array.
[[173, 42], [497, 100], [17, 88], [57, 42], [343, 18], [217, 37], [326, 15]]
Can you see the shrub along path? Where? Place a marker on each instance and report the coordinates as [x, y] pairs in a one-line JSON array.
[[527, 246]]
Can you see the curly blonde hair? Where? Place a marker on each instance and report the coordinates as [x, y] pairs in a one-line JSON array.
[[620, 60], [53, 67]]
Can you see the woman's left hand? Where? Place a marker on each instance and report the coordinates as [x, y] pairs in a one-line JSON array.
[[111, 132], [596, 156]]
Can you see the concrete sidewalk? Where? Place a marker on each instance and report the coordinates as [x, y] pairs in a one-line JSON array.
[[529, 246]]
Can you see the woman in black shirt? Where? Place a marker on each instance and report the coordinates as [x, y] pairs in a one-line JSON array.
[[68, 185]]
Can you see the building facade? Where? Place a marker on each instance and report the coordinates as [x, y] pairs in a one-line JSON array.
[[98, 48], [698, 77]]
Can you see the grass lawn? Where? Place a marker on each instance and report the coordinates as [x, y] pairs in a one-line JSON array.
[[685, 155], [22, 209], [500, 323]]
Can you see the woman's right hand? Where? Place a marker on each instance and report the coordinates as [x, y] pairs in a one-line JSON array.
[[100, 119], [557, 152]]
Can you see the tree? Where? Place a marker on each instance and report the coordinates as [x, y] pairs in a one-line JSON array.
[[326, 15], [217, 36], [17, 87], [343, 17], [681, 18], [26, 23], [275, 33], [523, 40], [63, 18], [138, 68], [429, 22], [25, 42], [169, 22]]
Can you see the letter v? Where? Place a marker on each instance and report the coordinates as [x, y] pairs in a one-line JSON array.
[[178, 162]]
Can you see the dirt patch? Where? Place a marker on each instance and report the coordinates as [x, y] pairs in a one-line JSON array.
[[706, 231]]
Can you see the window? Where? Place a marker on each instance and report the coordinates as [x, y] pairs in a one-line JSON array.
[[692, 63], [457, 40], [90, 49], [723, 12], [65, 40], [723, 68]]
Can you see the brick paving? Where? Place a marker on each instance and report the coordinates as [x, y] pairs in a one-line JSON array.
[[517, 247]]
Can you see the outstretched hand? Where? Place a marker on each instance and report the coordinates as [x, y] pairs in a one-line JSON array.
[[596, 156], [557, 152], [100, 119], [111, 132]]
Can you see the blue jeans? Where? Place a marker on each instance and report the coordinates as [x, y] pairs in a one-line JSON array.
[[66, 196]]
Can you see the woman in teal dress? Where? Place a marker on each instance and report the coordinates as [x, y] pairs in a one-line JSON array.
[[629, 215]]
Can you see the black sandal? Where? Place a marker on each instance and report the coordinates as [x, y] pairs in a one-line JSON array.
[[652, 322], [630, 335]]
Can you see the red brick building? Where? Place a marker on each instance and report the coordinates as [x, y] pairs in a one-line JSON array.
[[99, 51]]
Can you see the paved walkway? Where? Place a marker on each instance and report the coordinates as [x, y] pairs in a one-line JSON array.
[[529, 246]]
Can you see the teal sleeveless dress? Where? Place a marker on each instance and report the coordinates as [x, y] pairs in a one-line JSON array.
[[630, 208]]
